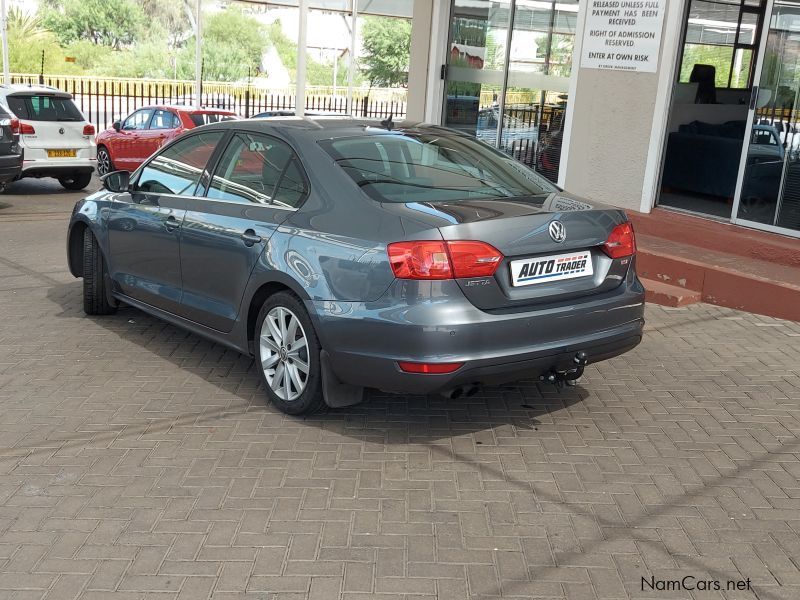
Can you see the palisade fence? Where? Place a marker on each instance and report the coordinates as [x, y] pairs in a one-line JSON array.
[[103, 100], [532, 134]]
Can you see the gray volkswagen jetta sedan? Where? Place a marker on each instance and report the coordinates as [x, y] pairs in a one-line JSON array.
[[343, 254]]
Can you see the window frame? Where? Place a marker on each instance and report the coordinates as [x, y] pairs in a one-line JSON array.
[[760, 12], [211, 160], [211, 168]]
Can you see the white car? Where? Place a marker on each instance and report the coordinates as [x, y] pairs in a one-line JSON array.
[[57, 139]]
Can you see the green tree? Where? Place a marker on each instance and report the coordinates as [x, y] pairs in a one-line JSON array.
[[113, 23], [387, 45], [174, 18], [27, 39], [233, 44]]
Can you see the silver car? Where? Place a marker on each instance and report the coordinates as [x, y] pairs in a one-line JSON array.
[[344, 254]]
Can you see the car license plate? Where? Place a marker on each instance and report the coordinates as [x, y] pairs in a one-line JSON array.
[[556, 267], [62, 153]]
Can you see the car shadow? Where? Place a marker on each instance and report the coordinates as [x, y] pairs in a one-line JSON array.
[[390, 418], [46, 186]]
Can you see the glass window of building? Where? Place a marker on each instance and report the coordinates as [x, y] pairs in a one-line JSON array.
[[508, 71]]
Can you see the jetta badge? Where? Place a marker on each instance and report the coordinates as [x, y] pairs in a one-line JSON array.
[[61, 131], [557, 231]]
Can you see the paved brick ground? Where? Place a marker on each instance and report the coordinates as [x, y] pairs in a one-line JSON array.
[[137, 461]]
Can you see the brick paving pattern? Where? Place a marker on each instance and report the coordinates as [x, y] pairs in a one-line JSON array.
[[141, 462]]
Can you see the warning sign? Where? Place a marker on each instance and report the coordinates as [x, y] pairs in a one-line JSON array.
[[623, 35]]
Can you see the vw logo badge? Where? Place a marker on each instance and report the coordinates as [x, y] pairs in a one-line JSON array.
[[61, 131], [557, 231]]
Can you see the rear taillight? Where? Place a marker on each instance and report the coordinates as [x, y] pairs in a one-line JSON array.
[[443, 260], [26, 128], [15, 126], [419, 260], [621, 241], [88, 129], [473, 259], [429, 368]]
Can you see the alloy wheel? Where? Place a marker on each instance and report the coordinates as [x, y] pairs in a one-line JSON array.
[[284, 353], [103, 162]]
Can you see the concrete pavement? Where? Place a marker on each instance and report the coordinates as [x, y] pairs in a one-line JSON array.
[[139, 461]]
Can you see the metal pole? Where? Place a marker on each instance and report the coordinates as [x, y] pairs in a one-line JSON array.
[[198, 58], [502, 104], [352, 71], [335, 69], [302, 52], [6, 72]]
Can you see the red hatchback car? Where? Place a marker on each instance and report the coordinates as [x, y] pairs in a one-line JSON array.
[[128, 143]]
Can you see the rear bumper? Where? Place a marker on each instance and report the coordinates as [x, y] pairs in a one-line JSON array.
[[38, 164], [10, 166], [366, 340], [36, 169]]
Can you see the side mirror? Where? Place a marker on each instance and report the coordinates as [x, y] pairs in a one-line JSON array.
[[116, 126], [117, 181]]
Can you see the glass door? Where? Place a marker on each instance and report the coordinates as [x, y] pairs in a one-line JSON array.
[[768, 190]]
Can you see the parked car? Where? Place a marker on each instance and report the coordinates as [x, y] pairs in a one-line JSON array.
[[11, 154], [207, 100], [128, 143], [343, 254], [765, 144], [56, 138], [290, 112]]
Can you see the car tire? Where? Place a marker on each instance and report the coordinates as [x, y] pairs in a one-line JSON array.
[[76, 181], [95, 297], [104, 163], [279, 359]]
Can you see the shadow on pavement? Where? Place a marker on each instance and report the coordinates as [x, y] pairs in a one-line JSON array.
[[387, 418]]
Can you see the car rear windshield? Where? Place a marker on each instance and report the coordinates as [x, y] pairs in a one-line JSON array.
[[44, 108], [432, 167], [205, 118]]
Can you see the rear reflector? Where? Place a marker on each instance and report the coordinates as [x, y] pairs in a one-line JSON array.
[[429, 368], [88, 129], [26, 128], [621, 241], [443, 260]]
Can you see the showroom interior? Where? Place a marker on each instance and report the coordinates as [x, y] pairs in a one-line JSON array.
[[711, 132]]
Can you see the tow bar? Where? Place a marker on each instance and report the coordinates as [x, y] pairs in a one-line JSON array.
[[568, 377]]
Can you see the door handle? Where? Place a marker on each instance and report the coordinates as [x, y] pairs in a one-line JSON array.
[[171, 224], [250, 238]]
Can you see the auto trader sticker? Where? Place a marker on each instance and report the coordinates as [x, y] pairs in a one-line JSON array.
[[556, 267]]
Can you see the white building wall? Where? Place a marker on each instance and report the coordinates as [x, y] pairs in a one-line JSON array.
[[616, 124]]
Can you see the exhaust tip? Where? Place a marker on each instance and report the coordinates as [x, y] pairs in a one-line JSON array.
[[455, 393]]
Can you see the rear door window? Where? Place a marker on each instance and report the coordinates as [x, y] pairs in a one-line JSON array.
[[258, 169], [177, 169], [163, 119], [44, 107]]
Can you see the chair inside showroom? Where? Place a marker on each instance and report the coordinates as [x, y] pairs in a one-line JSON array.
[[705, 76]]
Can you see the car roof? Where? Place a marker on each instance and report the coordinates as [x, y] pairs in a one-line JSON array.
[[185, 108], [320, 128], [20, 89]]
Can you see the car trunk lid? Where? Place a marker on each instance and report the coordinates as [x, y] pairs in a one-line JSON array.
[[520, 229], [57, 122]]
